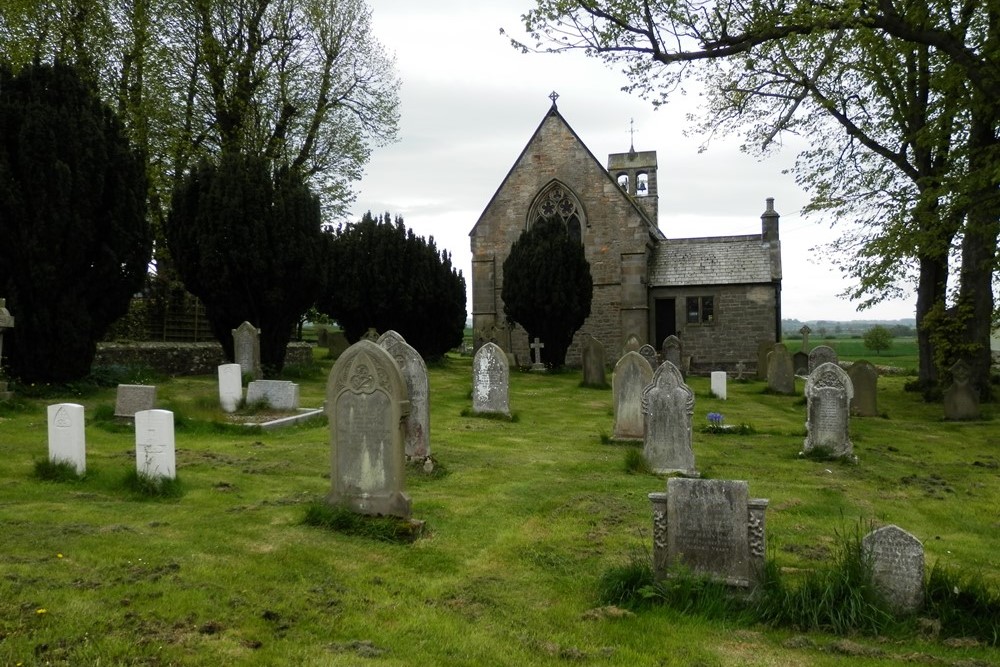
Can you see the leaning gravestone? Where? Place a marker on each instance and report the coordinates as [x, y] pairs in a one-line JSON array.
[[668, 406], [246, 349], [822, 354], [230, 387], [154, 444], [648, 353], [961, 400], [417, 425], [828, 397], [800, 362], [712, 527], [672, 352], [133, 398], [593, 363], [897, 561], [631, 376], [864, 377], [67, 442], [764, 348], [780, 374], [719, 384], [366, 403], [275, 394], [632, 344], [490, 381]]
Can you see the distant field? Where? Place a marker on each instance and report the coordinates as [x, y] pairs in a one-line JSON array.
[[902, 354]]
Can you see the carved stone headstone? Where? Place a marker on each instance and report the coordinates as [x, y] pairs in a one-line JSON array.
[[864, 377], [897, 560], [246, 349], [961, 400], [67, 442], [132, 398], [230, 386], [668, 405], [154, 444], [417, 425], [536, 353], [490, 381], [712, 527], [366, 403], [631, 376], [276, 394], [719, 384], [805, 331], [672, 352], [822, 354], [370, 335], [800, 362], [648, 353], [828, 397], [780, 374], [632, 344], [764, 348], [740, 369], [594, 363]]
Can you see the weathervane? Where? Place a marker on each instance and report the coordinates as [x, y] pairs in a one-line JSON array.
[[553, 96]]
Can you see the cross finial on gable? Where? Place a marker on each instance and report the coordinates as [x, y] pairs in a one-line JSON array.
[[553, 96]]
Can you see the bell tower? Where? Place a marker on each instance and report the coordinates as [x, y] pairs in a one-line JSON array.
[[635, 173]]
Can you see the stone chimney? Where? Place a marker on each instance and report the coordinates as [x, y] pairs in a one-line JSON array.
[[769, 222]]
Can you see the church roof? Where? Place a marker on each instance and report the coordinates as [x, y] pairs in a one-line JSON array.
[[718, 260]]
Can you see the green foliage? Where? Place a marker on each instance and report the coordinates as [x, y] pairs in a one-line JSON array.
[[636, 463], [878, 339], [547, 287], [624, 584], [691, 593], [152, 486], [963, 603], [344, 520], [383, 276], [56, 471], [246, 238], [74, 238]]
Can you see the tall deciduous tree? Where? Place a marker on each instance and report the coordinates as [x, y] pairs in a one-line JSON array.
[[247, 240], [547, 286], [74, 239], [383, 276]]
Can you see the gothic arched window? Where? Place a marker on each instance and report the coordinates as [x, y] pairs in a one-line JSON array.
[[556, 202]]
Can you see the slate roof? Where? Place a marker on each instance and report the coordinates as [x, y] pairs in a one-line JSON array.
[[718, 260]]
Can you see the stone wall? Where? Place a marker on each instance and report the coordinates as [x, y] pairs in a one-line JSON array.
[[182, 358]]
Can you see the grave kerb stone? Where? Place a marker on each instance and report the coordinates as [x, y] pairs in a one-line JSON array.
[[276, 394]]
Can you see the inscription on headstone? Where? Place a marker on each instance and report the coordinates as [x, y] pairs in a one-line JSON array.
[[490, 381], [631, 375], [897, 560], [828, 396]]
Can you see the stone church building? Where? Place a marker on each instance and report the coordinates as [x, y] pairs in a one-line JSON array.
[[721, 296]]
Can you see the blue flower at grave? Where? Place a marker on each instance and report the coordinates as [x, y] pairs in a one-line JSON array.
[[715, 418]]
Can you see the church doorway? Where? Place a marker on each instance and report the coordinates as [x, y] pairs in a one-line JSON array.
[[665, 312]]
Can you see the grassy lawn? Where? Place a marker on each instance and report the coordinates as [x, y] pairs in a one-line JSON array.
[[902, 354], [522, 518]]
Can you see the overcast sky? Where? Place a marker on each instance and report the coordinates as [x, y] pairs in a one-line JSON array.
[[470, 103]]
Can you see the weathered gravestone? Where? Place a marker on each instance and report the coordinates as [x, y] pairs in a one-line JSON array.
[[828, 399], [800, 362], [631, 376], [366, 403], [490, 381], [805, 331], [961, 400], [672, 352], [323, 337], [276, 394], [648, 353], [246, 349], [897, 561], [417, 425], [67, 442], [864, 378], [668, 406], [712, 527], [594, 362], [230, 387], [822, 354], [780, 374], [337, 343], [632, 344], [764, 348], [719, 384], [154, 444], [370, 335], [133, 398]]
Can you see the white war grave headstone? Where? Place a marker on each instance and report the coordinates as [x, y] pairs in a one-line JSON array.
[[897, 560], [67, 442], [230, 387], [719, 384], [668, 405], [246, 349], [154, 444], [631, 375], [828, 399], [366, 403], [417, 425], [490, 381]]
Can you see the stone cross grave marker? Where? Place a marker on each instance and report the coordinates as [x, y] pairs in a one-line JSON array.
[[594, 361], [366, 403], [154, 444], [632, 344], [276, 394], [961, 400], [828, 399], [490, 381], [719, 384], [67, 442], [648, 353], [668, 406], [536, 353], [805, 331], [417, 425], [822, 354], [712, 527], [864, 377], [672, 352], [897, 560], [133, 398], [246, 349], [230, 387], [780, 374], [740, 369], [631, 375]]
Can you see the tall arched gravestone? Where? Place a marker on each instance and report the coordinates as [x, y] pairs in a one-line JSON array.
[[490, 381], [828, 396], [366, 403], [668, 405], [417, 425], [632, 374]]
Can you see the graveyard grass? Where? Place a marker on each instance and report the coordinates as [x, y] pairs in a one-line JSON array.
[[523, 519]]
